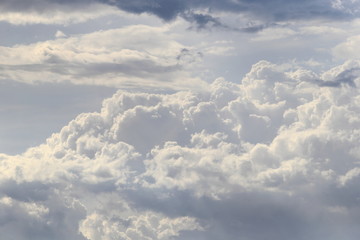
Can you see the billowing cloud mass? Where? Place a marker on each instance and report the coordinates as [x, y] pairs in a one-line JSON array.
[[274, 157]]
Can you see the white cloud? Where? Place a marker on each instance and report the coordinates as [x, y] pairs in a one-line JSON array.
[[146, 226], [348, 49], [271, 34], [60, 34], [147, 57], [56, 13], [276, 152], [322, 30]]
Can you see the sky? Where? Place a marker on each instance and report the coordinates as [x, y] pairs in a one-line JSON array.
[[179, 119]]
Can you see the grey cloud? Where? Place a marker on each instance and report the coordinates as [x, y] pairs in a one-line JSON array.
[[187, 56], [26, 192], [201, 21], [346, 77], [204, 21], [40, 5], [255, 214], [253, 28], [165, 9], [23, 212], [202, 12], [269, 11]]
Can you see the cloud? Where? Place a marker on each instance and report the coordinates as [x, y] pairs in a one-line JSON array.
[[60, 34], [348, 49], [270, 34], [146, 226], [52, 12], [276, 152], [147, 57], [202, 13], [203, 21], [271, 10]]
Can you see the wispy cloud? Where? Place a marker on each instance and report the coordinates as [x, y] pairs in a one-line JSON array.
[[146, 57]]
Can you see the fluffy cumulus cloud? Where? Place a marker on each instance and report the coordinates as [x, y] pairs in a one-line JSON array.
[[147, 57], [274, 157]]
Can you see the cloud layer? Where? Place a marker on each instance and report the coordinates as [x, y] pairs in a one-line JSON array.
[[274, 157], [270, 10], [199, 12]]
